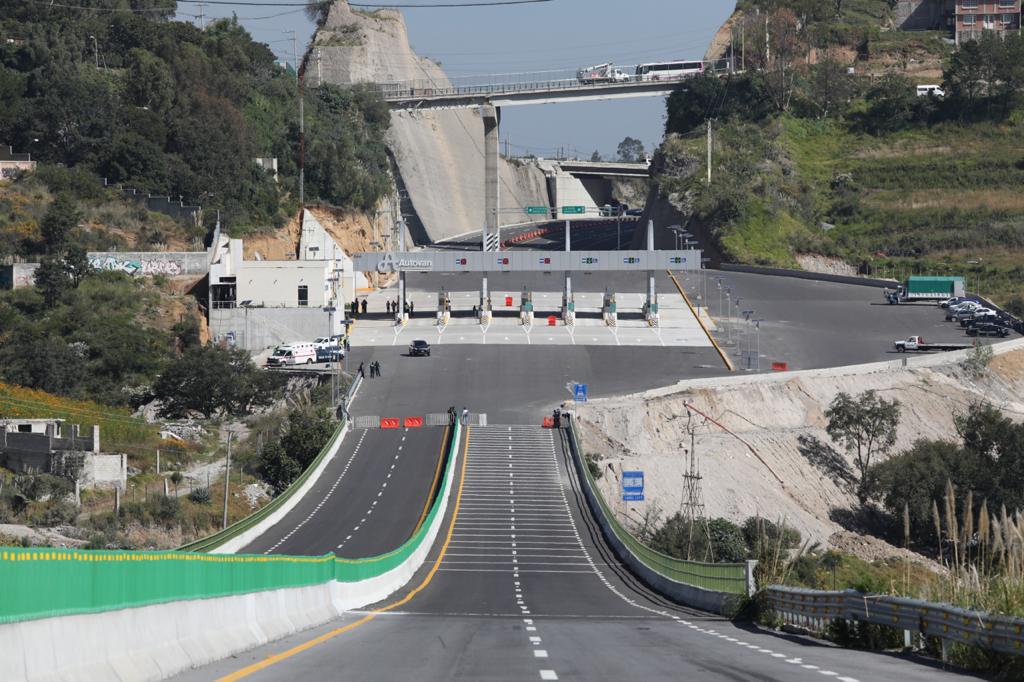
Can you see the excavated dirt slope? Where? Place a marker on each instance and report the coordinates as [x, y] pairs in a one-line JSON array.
[[439, 153], [771, 455]]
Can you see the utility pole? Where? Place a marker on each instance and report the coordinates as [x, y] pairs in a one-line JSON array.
[[709, 151], [743, 47], [95, 52], [767, 44], [202, 16], [300, 76], [227, 481]]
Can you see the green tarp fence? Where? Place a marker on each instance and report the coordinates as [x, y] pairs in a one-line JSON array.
[[46, 582]]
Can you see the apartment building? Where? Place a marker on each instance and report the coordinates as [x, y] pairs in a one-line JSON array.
[[974, 17]]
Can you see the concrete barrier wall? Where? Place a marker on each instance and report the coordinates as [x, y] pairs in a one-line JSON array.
[[805, 274], [706, 600], [259, 328], [149, 263]]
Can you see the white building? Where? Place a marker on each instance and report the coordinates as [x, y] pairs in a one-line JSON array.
[[259, 303]]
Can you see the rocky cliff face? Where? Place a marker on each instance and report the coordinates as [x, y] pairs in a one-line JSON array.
[[439, 154]]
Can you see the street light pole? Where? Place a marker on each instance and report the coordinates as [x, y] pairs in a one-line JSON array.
[[227, 481]]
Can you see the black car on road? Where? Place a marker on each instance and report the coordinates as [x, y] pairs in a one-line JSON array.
[[419, 347]]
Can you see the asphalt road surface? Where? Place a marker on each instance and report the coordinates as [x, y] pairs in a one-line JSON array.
[[525, 589], [368, 500]]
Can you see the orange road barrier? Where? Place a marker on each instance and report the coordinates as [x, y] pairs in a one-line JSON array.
[[412, 422], [780, 366], [548, 423], [389, 423], [552, 320]]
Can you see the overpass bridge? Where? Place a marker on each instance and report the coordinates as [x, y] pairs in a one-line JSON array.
[[539, 87]]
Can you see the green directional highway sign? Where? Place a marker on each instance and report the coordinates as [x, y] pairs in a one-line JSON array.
[[572, 210], [537, 210]]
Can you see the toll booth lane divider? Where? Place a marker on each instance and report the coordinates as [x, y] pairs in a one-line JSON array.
[[149, 615]]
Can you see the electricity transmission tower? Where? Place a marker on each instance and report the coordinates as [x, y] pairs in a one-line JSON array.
[[692, 505]]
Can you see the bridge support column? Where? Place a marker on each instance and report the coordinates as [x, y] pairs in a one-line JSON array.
[[651, 305], [568, 304], [492, 118]]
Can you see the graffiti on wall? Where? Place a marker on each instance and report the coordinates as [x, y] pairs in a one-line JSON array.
[[144, 267]]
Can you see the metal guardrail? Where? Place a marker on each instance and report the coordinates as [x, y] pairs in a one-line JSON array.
[[815, 609], [730, 578]]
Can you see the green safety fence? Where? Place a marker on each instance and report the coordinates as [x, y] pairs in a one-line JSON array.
[[211, 542], [731, 578], [46, 582]]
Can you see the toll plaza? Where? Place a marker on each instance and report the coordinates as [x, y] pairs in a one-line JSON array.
[[467, 297]]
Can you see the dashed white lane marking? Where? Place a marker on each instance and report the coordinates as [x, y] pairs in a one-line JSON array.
[[326, 497], [540, 653], [375, 501], [548, 675]]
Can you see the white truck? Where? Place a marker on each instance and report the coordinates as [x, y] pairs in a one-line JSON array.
[[602, 73], [917, 343]]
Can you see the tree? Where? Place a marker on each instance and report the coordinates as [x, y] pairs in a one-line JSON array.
[[76, 265], [892, 103], [631, 150], [830, 87], [51, 280], [61, 217], [307, 434], [176, 479], [596, 157], [866, 426], [277, 468], [212, 380]]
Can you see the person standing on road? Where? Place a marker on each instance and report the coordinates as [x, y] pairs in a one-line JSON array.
[[361, 372], [364, 306], [346, 345], [387, 305], [412, 308], [377, 365]]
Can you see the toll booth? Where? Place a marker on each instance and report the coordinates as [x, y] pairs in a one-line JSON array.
[[444, 308], [609, 309], [526, 307], [651, 310], [568, 307]]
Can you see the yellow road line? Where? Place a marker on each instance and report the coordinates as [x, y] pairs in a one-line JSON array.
[[433, 484], [721, 353], [277, 658]]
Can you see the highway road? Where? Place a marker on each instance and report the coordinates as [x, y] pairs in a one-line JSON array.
[[368, 500], [523, 588]]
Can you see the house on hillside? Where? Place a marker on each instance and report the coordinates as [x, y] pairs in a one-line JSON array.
[[11, 164], [965, 19], [974, 17], [34, 446]]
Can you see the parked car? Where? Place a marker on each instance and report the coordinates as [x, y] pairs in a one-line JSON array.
[[978, 316], [333, 341], [988, 329], [956, 300], [968, 314], [329, 354], [419, 347], [967, 307]]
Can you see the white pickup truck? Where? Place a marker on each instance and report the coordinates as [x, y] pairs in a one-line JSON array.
[[917, 343]]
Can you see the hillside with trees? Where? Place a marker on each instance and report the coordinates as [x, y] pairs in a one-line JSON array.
[[817, 152], [121, 92]]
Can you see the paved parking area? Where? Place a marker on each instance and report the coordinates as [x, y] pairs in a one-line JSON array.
[[678, 327]]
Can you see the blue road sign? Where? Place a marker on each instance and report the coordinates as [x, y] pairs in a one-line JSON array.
[[632, 486], [579, 393]]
